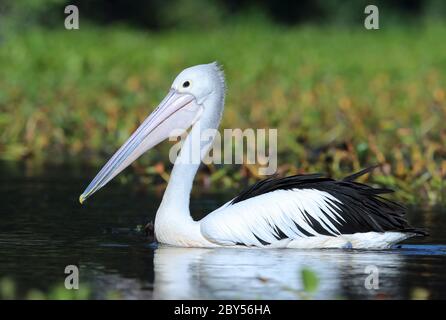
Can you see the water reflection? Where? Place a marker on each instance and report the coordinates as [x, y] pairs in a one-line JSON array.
[[43, 229], [224, 273]]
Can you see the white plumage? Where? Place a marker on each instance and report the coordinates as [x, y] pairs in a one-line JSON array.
[[260, 217], [306, 211]]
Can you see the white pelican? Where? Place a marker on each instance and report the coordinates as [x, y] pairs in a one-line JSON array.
[[302, 211]]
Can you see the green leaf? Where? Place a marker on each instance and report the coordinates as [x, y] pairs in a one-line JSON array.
[[310, 280]]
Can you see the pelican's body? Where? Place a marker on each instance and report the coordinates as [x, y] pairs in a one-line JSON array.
[[304, 211]]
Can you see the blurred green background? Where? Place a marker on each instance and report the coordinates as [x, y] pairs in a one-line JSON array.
[[342, 97]]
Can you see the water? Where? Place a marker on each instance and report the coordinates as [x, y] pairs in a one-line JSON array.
[[43, 229]]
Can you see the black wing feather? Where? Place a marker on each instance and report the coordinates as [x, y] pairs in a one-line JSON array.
[[362, 206]]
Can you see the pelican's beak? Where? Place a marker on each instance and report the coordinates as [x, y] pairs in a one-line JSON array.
[[177, 111]]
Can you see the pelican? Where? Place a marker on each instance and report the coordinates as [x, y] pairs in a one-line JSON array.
[[301, 211]]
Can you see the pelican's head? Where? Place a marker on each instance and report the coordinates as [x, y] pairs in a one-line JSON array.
[[184, 105], [200, 81]]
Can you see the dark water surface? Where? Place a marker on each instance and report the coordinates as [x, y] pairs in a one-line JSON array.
[[43, 229]]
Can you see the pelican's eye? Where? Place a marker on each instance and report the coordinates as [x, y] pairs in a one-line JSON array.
[[186, 84]]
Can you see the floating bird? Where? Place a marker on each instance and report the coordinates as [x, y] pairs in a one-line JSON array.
[[301, 211]]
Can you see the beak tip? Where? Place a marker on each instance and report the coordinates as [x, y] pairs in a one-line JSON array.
[[81, 199]]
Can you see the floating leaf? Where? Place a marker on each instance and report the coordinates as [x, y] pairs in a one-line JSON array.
[[310, 280]]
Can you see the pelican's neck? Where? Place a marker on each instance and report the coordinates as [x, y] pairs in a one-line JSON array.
[[177, 194], [173, 216]]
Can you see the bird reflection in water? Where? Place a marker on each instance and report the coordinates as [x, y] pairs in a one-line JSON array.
[[227, 273]]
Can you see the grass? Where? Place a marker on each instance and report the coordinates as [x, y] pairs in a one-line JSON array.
[[341, 98]]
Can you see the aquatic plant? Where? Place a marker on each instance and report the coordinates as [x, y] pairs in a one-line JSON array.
[[340, 98]]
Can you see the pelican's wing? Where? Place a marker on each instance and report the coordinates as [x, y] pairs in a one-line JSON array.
[[303, 206]]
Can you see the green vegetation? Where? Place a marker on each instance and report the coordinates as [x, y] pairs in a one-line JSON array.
[[341, 98], [310, 280], [9, 291]]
